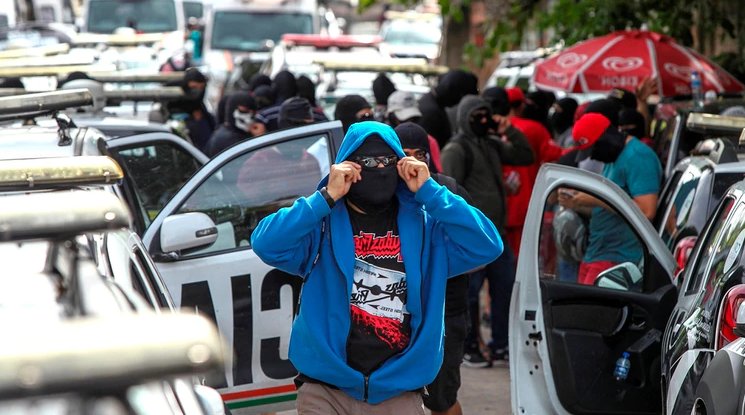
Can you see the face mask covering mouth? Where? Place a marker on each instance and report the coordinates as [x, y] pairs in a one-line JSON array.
[[376, 190], [609, 146], [242, 120]]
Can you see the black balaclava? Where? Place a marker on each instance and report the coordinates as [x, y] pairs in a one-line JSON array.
[[635, 119], [537, 104], [561, 120], [607, 107], [306, 89], [374, 193], [257, 80], [497, 98], [454, 85], [609, 146], [414, 136], [284, 86], [264, 96], [235, 119], [193, 97], [294, 112], [382, 89], [347, 108], [624, 97]]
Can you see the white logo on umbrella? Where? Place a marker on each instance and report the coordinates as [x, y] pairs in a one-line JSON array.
[[620, 64], [570, 59], [680, 72]]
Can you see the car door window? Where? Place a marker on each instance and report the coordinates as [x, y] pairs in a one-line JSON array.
[[155, 171], [715, 248], [679, 207], [590, 246], [255, 184]]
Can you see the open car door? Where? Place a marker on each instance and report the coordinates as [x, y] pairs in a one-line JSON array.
[[200, 241], [566, 336]]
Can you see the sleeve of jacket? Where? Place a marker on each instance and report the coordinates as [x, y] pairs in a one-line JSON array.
[[453, 159], [550, 150], [516, 149], [288, 239], [470, 237]]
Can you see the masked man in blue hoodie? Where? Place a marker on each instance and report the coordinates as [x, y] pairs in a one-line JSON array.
[[375, 246]]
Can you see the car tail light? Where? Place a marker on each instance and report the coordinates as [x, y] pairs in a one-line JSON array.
[[682, 252], [728, 315]]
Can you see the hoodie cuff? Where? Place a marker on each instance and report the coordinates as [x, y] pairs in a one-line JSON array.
[[319, 205], [427, 192]]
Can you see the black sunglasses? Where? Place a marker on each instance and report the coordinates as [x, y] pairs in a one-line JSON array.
[[374, 161]]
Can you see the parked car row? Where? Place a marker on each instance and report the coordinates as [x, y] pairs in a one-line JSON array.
[[195, 218]]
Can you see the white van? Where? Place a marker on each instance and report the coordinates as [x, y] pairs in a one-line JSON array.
[[145, 16], [8, 14], [242, 29]]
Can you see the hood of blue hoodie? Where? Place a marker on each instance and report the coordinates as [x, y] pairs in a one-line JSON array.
[[358, 133]]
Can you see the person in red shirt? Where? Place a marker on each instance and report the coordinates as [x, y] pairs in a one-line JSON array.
[[545, 150]]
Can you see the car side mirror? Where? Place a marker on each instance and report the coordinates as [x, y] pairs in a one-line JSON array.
[[187, 231], [210, 400], [740, 321], [625, 277]]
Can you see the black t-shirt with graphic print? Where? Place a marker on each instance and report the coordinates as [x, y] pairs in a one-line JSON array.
[[381, 325]]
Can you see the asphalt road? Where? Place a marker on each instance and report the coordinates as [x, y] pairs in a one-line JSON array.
[[484, 391]]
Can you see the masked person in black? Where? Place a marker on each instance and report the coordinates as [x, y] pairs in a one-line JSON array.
[[199, 122], [382, 88], [240, 109], [295, 112], [351, 109], [307, 89], [442, 395], [474, 158], [453, 86], [562, 120]]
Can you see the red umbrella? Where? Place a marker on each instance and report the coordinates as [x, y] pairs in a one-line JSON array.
[[623, 59]]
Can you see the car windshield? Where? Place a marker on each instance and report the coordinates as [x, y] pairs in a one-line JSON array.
[[146, 16], [412, 33], [245, 31], [193, 9]]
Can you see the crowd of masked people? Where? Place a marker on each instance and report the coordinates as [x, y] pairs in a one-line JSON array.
[[486, 146]]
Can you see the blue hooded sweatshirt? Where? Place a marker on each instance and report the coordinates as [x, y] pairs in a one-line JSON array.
[[441, 236]]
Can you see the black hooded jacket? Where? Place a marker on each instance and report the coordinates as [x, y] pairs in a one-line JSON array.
[[347, 108], [453, 86], [284, 87], [483, 177], [228, 134]]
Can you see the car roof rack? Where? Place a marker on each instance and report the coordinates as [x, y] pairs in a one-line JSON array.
[[55, 172], [168, 93], [9, 92], [60, 215], [325, 41], [409, 66], [56, 70], [160, 78], [715, 124], [44, 102], [117, 39], [35, 51], [46, 61], [115, 351]]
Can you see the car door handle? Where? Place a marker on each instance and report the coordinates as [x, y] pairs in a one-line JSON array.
[[638, 323], [537, 336]]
